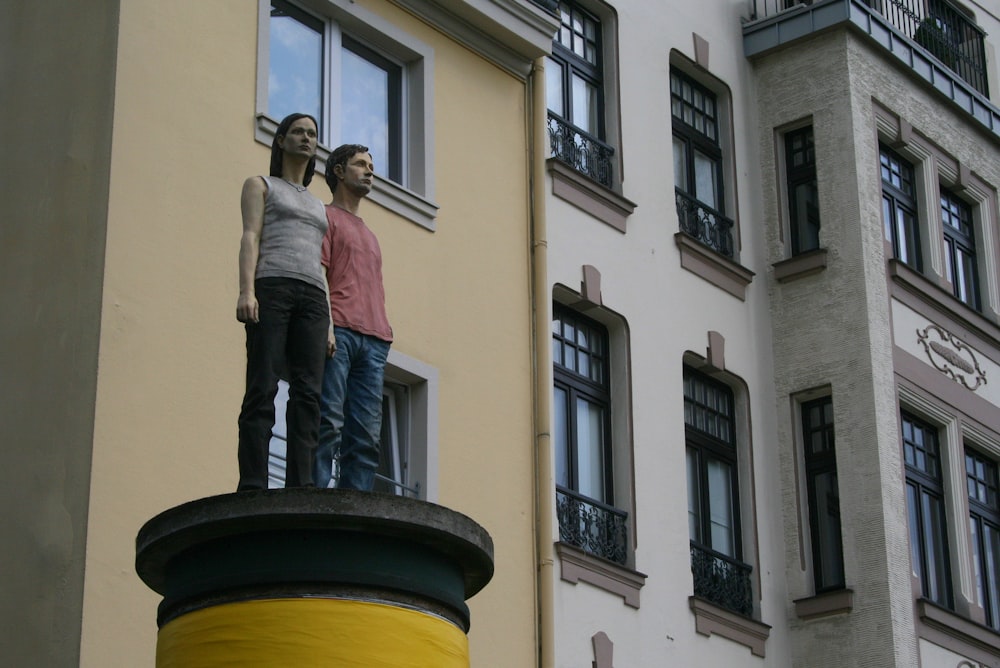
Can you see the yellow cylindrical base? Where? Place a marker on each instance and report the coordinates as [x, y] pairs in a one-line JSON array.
[[310, 632]]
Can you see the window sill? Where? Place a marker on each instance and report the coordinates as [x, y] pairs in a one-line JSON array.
[[602, 203], [823, 605], [717, 270], [711, 619], [958, 634], [575, 565], [912, 282], [800, 266], [392, 196]]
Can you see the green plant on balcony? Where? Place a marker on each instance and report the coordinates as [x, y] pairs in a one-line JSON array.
[[932, 34]]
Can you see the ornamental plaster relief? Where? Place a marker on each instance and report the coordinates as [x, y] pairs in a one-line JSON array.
[[947, 353]]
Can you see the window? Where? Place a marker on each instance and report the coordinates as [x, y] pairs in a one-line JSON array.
[[365, 81], [823, 494], [698, 164], [574, 89], [960, 249], [926, 510], [899, 207], [720, 576], [408, 446], [803, 194], [984, 527], [582, 437]]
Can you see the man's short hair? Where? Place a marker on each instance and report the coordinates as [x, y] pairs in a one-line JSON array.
[[340, 156], [277, 152]]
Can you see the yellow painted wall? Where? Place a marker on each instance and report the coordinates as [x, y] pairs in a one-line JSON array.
[[171, 362]]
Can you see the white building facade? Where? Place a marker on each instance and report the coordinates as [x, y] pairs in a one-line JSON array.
[[774, 425]]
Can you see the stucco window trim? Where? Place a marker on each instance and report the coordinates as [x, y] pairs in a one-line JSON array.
[[956, 633], [710, 620], [587, 195], [829, 603], [413, 200], [717, 270], [927, 297], [575, 566], [800, 266]]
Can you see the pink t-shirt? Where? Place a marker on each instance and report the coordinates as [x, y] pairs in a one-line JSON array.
[[353, 264]]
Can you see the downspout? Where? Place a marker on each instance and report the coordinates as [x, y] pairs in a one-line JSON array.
[[544, 477]]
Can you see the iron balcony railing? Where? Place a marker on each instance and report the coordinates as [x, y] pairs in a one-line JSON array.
[[705, 224], [940, 27], [592, 526], [722, 580], [580, 150]]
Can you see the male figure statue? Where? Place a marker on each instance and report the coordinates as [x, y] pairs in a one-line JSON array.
[[283, 305], [360, 334]]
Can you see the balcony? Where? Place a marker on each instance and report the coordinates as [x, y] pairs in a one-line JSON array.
[[704, 224], [583, 152], [592, 526], [934, 39], [722, 580], [941, 28]]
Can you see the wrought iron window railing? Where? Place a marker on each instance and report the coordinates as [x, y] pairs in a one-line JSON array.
[[592, 526], [945, 31], [580, 150], [722, 580], [705, 224]]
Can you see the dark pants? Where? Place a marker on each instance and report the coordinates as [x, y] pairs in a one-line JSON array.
[[288, 341]]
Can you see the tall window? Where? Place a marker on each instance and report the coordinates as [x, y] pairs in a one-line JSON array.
[[960, 248], [575, 94], [365, 80], [823, 493], [297, 70], [393, 473], [926, 512], [582, 437], [698, 163], [803, 195], [371, 104], [899, 207], [984, 527], [713, 492]]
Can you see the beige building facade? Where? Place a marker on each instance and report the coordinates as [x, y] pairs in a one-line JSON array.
[[135, 126]]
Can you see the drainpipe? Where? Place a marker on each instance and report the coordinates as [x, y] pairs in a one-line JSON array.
[[542, 358]]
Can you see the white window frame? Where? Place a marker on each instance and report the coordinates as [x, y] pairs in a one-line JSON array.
[[413, 389], [412, 199]]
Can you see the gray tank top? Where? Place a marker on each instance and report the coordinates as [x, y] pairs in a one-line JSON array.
[[294, 226]]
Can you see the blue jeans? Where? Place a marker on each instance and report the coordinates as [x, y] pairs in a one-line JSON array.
[[351, 417], [288, 341]]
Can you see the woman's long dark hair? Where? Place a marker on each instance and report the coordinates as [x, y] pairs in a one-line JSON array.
[[277, 152]]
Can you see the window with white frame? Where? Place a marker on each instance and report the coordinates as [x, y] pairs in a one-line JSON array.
[[408, 443], [366, 81]]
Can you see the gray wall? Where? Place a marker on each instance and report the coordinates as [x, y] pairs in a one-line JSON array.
[[57, 77]]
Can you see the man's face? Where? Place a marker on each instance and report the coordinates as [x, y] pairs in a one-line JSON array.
[[357, 174], [301, 138]]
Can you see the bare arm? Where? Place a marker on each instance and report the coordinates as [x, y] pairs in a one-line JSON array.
[[331, 340], [252, 207]]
